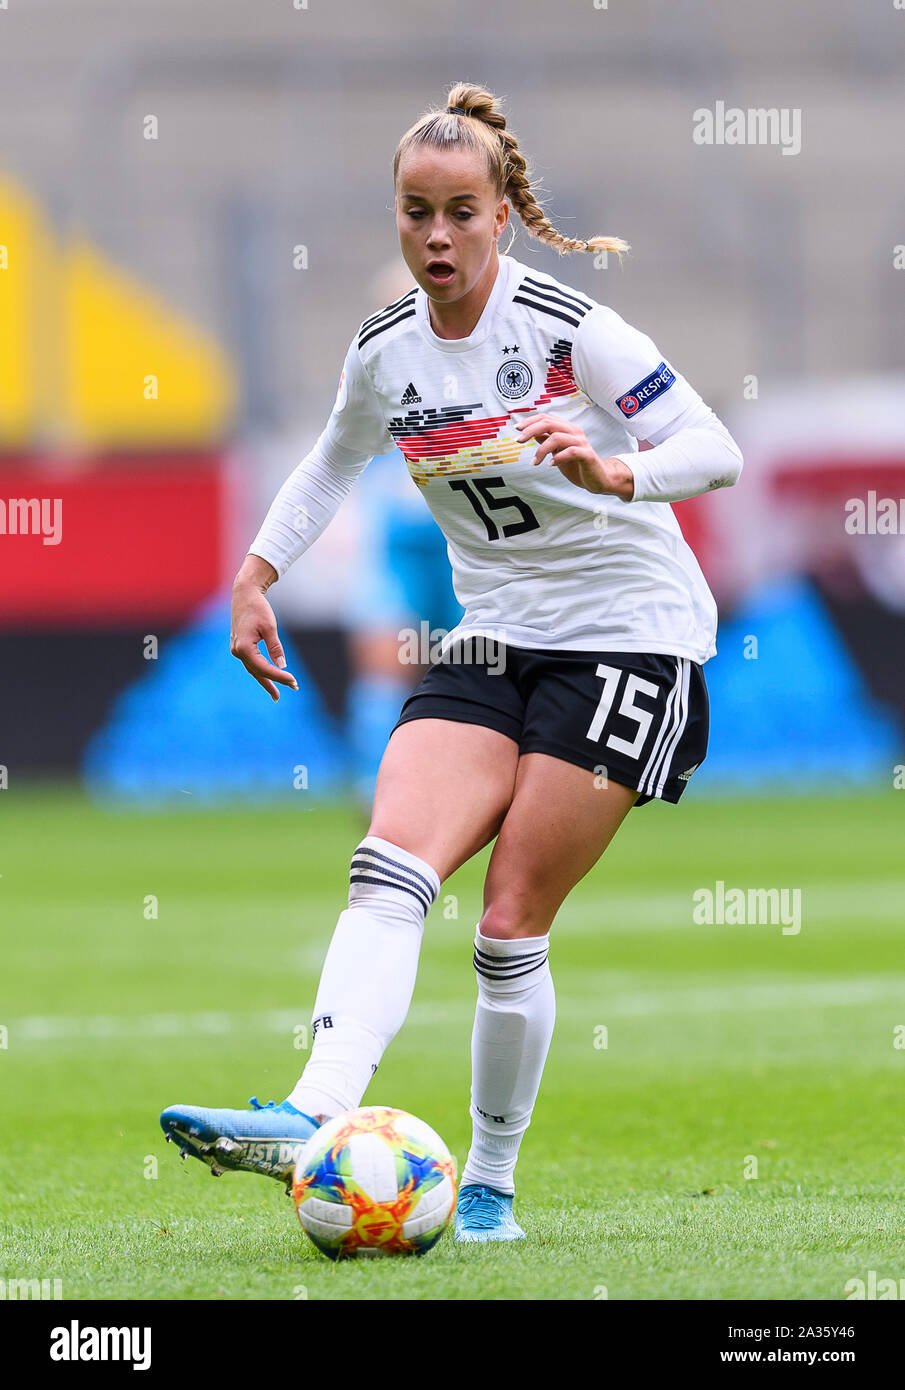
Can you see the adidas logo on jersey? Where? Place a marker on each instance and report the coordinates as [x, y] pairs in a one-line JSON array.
[[684, 776], [410, 395]]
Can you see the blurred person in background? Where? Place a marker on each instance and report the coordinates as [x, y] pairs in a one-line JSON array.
[[404, 581]]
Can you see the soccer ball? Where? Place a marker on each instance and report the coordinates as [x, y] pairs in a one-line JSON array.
[[374, 1181]]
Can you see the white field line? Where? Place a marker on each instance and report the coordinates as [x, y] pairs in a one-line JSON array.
[[810, 993]]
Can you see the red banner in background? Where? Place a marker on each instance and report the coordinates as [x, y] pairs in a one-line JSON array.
[[128, 539], [692, 518], [122, 540]]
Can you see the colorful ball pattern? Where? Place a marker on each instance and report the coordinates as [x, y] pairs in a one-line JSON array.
[[374, 1181]]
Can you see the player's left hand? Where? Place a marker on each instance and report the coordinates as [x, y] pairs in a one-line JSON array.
[[568, 449]]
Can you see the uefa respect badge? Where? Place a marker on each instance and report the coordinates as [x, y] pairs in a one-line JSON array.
[[646, 391]]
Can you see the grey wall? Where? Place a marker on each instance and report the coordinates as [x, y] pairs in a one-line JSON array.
[[277, 127]]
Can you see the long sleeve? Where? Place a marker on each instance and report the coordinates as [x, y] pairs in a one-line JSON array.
[[311, 495], [623, 372], [306, 503]]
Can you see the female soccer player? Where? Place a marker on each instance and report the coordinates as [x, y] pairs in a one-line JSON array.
[[572, 689]]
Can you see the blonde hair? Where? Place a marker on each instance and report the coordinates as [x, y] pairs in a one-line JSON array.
[[481, 126]]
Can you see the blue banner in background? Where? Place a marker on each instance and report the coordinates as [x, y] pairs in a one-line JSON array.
[[789, 706], [789, 709], [198, 726]]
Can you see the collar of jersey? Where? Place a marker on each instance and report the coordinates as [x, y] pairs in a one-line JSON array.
[[503, 288]]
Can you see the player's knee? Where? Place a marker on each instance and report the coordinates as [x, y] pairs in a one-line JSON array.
[[512, 916], [384, 876]]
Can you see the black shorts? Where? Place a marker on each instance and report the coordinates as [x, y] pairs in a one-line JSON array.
[[636, 718]]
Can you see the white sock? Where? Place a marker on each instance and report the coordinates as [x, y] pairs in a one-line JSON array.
[[513, 1026], [368, 976]]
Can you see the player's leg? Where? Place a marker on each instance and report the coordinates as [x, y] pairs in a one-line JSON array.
[[596, 728], [561, 820], [442, 791]]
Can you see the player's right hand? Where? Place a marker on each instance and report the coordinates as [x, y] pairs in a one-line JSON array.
[[253, 621]]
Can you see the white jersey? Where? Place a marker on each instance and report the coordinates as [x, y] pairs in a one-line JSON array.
[[537, 562]]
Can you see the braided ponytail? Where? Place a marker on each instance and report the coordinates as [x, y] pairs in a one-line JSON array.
[[473, 120]]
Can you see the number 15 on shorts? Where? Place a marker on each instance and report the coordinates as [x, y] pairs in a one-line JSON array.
[[636, 714]]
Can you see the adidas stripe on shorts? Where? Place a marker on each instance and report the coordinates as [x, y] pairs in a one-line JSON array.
[[635, 718]]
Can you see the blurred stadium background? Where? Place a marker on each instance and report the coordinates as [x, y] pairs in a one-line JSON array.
[[196, 214]]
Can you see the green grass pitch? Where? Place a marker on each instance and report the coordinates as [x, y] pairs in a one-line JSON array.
[[730, 1051]]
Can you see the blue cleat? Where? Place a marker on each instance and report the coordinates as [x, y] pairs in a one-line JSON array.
[[266, 1139], [483, 1213]]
